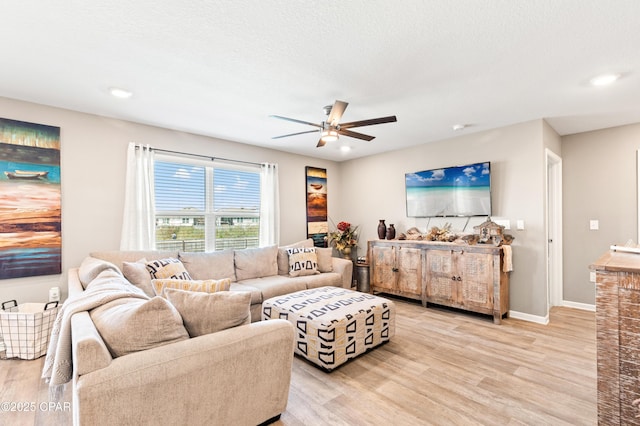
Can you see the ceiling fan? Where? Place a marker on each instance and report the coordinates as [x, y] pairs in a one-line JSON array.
[[331, 128]]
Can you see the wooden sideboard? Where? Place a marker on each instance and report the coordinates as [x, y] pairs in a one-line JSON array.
[[468, 277], [617, 337]]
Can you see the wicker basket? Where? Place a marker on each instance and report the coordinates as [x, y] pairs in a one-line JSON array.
[[25, 329]]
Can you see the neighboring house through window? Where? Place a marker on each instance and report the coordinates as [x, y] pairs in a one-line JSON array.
[[205, 207]]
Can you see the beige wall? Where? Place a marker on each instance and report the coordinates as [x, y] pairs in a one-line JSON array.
[[93, 158], [373, 189], [599, 180]]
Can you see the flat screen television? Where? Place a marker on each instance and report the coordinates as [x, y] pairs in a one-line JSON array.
[[450, 191]]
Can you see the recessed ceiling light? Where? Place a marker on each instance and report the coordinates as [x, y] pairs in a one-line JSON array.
[[458, 127], [345, 148], [120, 93], [604, 79]]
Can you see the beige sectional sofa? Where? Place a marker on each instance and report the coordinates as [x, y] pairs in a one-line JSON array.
[[237, 376], [262, 271]]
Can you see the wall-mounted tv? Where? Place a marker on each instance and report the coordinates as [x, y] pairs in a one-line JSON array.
[[450, 191]]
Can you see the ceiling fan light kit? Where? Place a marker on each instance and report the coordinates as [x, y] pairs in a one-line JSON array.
[[329, 136], [332, 128]]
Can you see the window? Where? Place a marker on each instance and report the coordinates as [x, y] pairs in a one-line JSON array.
[[202, 207]]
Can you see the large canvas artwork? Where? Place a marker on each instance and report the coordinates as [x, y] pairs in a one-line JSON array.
[[317, 225], [30, 220]]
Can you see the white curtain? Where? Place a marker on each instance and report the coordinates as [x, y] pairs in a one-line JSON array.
[[269, 205], [138, 228]]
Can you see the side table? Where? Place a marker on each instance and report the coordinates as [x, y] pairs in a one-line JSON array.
[[362, 277]]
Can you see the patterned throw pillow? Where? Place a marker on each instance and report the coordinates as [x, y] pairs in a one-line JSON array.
[[206, 286], [302, 261], [168, 268]]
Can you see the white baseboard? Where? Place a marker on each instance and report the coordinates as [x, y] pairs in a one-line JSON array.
[[528, 317], [576, 305]]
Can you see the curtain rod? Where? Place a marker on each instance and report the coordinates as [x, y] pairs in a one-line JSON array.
[[208, 157]]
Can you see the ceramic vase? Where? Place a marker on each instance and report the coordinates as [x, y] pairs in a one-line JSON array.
[[391, 232], [382, 230], [346, 253]]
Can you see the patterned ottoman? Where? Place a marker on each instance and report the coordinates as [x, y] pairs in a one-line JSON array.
[[334, 324]]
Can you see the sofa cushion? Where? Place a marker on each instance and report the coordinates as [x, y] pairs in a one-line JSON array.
[[167, 268], [118, 256], [256, 262], [283, 256], [91, 267], [256, 294], [325, 259], [205, 313], [130, 325], [332, 279], [205, 286], [302, 261], [213, 265], [138, 275], [276, 285]]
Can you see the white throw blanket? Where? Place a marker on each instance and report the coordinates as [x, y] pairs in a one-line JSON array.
[[108, 286]]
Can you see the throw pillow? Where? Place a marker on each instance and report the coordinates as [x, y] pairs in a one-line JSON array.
[[302, 261], [325, 262], [256, 262], [204, 313], [205, 286], [283, 256], [212, 265], [168, 268], [130, 325], [138, 275]]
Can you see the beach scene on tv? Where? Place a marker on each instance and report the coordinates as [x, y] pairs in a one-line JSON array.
[[451, 191]]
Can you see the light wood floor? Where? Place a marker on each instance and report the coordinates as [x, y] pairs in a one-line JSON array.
[[442, 368]]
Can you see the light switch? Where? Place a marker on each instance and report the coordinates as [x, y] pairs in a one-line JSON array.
[[520, 225], [594, 225]]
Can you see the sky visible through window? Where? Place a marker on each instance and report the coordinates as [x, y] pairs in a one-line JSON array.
[[180, 187]]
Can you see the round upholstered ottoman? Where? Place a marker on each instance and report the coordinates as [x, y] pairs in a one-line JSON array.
[[334, 324]]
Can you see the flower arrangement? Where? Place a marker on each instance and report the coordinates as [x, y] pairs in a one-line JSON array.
[[344, 236]]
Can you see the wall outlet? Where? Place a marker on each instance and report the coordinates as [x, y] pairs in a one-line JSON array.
[[594, 225], [520, 225], [592, 276], [54, 294]]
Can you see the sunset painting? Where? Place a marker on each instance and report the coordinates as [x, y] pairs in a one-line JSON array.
[[317, 225], [30, 219]]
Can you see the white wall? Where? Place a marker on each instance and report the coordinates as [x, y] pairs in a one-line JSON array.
[[373, 188], [93, 158]]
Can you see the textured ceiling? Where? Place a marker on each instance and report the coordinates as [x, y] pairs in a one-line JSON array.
[[220, 68]]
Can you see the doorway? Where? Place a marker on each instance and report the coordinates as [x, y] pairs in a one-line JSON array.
[[554, 229]]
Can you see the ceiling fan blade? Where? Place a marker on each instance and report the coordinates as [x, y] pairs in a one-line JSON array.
[[294, 134], [296, 121], [320, 143], [336, 112], [370, 122], [355, 135]]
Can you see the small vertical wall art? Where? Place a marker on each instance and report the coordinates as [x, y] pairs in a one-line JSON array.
[[316, 186], [30, 218]]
